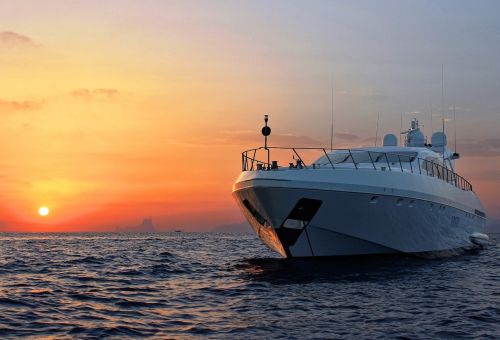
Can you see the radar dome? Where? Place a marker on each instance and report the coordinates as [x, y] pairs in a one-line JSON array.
[[390, 140], [438, 139], [416, 139]]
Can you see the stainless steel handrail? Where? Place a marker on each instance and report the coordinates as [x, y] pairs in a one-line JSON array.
[[431, 169]]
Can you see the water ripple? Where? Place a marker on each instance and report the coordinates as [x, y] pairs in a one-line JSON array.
[[192, 285]]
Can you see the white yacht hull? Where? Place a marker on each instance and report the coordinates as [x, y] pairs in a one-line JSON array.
[[355, 216]]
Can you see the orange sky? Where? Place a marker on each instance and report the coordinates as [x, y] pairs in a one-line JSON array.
[[115, 111]]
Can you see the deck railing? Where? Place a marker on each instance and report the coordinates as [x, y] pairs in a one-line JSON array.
[[376, 160]]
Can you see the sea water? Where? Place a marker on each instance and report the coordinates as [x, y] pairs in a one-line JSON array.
[[210, 285]]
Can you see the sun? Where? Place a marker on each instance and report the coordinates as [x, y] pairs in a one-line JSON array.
[[43, 211]]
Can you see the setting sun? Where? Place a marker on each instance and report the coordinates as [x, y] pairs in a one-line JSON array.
[[43, 211]]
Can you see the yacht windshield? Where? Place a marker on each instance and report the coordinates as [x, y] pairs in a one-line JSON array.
[[368, 157], [404, 157]]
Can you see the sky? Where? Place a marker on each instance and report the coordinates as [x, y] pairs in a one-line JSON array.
[[114, 111]]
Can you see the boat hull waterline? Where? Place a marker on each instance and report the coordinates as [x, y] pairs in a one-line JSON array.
[[300, 221], [362, 201]]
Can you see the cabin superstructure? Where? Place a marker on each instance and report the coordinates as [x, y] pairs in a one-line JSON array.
[[364, 200]]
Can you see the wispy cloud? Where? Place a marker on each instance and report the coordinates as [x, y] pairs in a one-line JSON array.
[[31, 105], [359, 93], [26, 105], [486, 175], [347, 136], [13, 39], [438, 112], [249, 138], [371, 140], [459, 108], [304, 141], [94, 94], [480, 148]]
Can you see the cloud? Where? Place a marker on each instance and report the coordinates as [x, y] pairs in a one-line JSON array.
[[438, 112], [250, 138], [487, 175], [295, 140], [31, 105], [13, 39], [372, 139], [459, 108], [494, 142], [479, 148], [253, 137], [27, 105], [94, 94], [359, 93], [347, 136]]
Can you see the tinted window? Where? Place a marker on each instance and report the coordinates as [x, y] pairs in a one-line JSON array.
[[368, 157]]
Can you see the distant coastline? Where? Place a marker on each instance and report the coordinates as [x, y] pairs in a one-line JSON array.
[[243, 227], [146, 226]]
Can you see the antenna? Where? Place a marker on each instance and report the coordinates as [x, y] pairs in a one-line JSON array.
[[430, 106], [455, 125], [401, 128], [442, 103], [266, 131], [442, 91], [331, 126], [376, 131]]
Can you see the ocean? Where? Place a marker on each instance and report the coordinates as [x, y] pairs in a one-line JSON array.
[[216, 285]]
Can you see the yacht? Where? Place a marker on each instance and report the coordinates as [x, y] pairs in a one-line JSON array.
[[373, 200]]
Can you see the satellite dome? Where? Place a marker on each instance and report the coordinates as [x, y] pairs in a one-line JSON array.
[[438, 139], [390, 140], [416, 139]]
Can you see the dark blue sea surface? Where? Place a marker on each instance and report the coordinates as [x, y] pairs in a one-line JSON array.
[[209, 285]]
